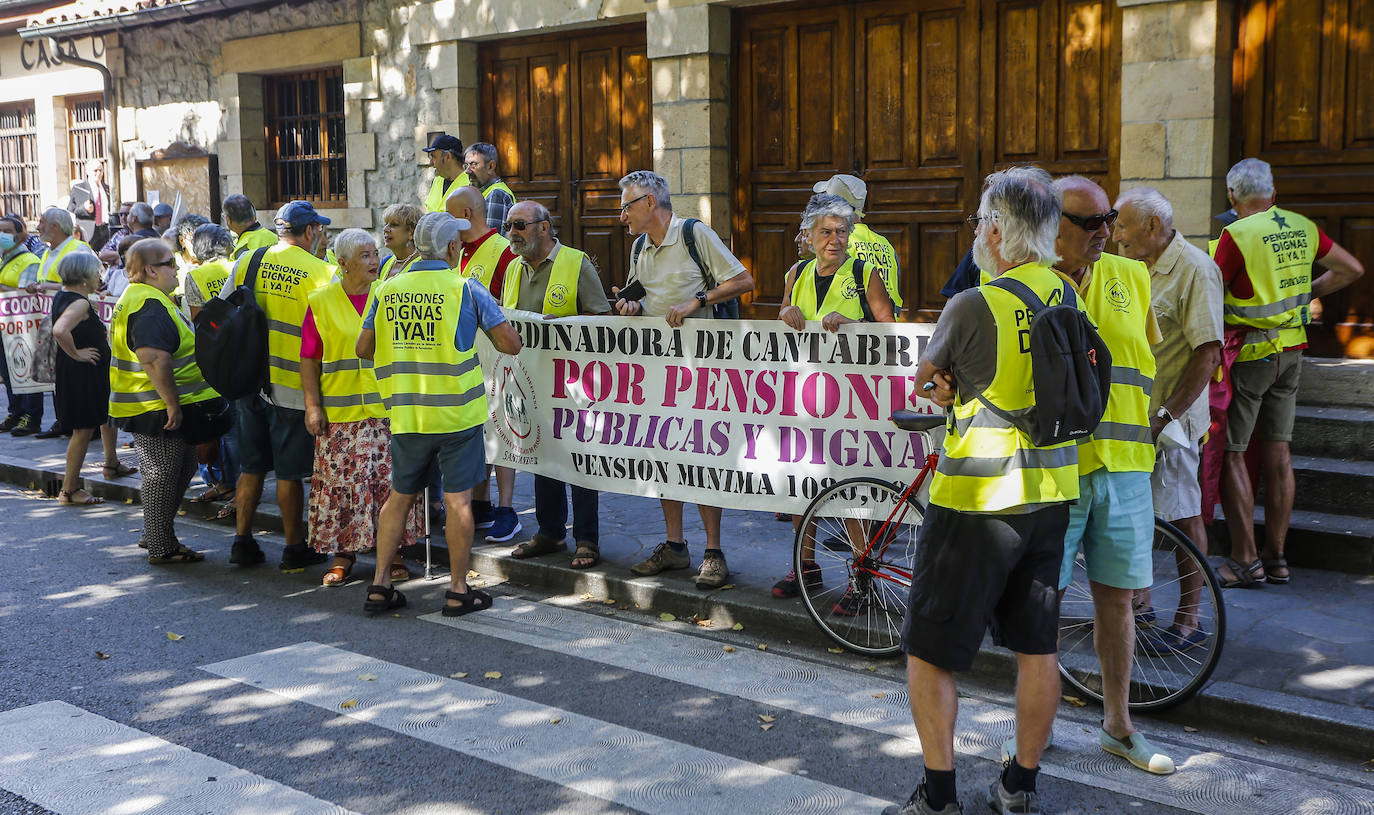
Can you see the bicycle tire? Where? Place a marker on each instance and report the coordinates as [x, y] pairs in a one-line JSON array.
[[874, 587], [1161, 676]]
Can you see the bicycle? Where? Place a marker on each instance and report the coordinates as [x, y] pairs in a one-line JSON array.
[[861, 534]]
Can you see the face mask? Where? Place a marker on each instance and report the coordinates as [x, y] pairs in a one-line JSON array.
[[6, 241]]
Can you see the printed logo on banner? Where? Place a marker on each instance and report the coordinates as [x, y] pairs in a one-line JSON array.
[[512, 407]]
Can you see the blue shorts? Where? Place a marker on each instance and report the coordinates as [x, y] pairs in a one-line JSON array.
[[273, 438], [461, 456], [1113, 524]]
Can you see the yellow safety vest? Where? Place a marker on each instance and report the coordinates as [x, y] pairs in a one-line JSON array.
[[347, 383], [482, 264], [16, 266], [987, 464], [438, 193], [1118, 300], [427, 384], [1279, 247], [252, 239], [287, 276], [131, 389], [210, 277], [47, 270], [877, 253], [560, 298], [842, 296], [498, 185]]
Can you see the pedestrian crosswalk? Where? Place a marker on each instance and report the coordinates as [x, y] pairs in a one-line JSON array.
[[71, 761]]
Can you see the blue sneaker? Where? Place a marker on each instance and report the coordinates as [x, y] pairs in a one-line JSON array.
[[504, 525], [482, 515]]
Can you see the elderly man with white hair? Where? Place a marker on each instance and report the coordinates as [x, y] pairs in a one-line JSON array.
[[57, 228], [1185, 294]]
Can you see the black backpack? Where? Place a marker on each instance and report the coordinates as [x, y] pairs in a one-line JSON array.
[[1071, 369], [231, 338], [724, 310]]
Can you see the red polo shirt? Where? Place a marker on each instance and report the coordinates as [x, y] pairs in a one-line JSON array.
[[499, 276]]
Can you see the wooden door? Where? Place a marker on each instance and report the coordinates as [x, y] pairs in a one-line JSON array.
[[920, 98], [1304, 102], [570, 116]]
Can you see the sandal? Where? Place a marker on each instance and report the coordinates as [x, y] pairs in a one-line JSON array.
[[586, 556], [338, 574], [536, 546], [392, 599], [118, 470], [65, 497], [399, 572], [1270, 564], [1246, 576], [227, 511], [474, 600], [178, 555], [216, 493]]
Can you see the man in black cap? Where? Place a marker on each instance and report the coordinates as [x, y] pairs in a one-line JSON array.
[[446, 157]]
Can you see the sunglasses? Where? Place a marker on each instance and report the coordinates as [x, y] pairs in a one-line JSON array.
[[519, 226], [164, 264], [1092, 223]]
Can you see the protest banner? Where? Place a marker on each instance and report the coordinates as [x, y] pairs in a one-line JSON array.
[[743, 414], [28, 338]]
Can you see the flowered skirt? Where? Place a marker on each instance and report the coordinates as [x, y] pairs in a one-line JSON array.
[[351, 482]]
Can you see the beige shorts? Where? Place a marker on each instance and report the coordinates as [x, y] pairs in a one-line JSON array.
[[1174, 483], [1264, 400]]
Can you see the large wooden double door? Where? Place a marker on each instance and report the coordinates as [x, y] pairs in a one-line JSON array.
[[1304, 102], [920, 98], [570, 117]]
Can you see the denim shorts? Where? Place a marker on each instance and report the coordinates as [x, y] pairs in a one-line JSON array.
[[273, 438], [1113, 523]]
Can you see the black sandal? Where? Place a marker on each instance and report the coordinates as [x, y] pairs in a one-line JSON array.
[[178, 555], [394, 599], [474, 600]]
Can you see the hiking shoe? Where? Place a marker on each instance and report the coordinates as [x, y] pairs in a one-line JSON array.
[[1022, 802], [663, 558], [790, 587], [504, 525], [244, 552], [850, 604], [918, 804], [482, 516], [27, 426], [714, 572], [10, 422], [296, 558], [1137, 750]]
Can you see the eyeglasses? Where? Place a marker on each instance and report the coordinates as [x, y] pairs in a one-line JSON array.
[[625, 206], [520, 226], [1092, 223]]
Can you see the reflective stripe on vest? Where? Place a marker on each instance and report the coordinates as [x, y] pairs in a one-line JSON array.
[[842, 296], [1279, 248], [47, 268], [16, 267], [560, 296], [1118, 300], [439, 193], [286, 277], [877, 253], [988, 465], [348, 388], [253, 239], [481, 265], [131, 389], [210, 277], [427, 384]]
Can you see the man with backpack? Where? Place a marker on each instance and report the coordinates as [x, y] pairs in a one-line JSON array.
[[1113, 520], [679, 269], [992, 540]]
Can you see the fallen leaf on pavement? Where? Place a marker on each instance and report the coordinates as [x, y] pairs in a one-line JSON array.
[[1075, 701], [737, 627], [871, 668], [174, 637], [835, 650], [727, 586], [555, 720], [765, 727], [586, 595], [666, 617], [766, 717], [101, 655], [763, 646], [492, 675], [1189, 729], [459, 675], [1259, 740], [880, 696], [368, 677], [607, 602], [348, 704], [705, 623], [729, 649], [473, 573]]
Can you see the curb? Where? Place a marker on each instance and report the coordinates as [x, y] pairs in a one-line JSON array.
[[1311, 723]]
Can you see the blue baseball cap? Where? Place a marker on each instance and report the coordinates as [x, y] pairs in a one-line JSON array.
[[160, 210], [298, 214]]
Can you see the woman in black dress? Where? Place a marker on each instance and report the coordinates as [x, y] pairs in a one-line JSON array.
[[82, 392]]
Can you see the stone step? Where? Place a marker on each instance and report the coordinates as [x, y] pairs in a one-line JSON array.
[[1317, 540], [1337, 382], [1334, 432], [1338, 486]]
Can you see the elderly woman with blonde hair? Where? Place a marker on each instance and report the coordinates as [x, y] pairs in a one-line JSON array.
[[344, 412]]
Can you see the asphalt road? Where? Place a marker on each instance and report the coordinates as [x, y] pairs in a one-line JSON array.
[[130, 688]]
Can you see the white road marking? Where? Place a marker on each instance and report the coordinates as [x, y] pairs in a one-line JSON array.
[[628, 767], [74, 762]]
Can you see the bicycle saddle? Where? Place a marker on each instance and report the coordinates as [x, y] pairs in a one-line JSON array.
[[918, 422]]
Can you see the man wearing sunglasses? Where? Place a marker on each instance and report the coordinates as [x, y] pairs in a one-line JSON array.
[[1113, 519]]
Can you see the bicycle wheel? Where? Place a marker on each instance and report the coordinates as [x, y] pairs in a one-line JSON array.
[[1165, 670], [862, 536]]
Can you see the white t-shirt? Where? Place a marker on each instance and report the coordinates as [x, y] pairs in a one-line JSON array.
[[669, 275]]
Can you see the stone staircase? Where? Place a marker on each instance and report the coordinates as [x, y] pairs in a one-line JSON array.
[[1333, 463]]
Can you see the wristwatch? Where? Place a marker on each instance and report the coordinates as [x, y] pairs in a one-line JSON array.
[[701, 298], [1164, 414]]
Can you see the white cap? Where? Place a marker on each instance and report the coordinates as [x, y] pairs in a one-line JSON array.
[[849, 187], [435, 231]]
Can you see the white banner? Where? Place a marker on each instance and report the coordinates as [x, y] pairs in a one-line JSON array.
[[21, 314], [743, 414]]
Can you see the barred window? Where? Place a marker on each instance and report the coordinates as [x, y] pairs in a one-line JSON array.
[[19, 161], [85, 132], [304, 115]]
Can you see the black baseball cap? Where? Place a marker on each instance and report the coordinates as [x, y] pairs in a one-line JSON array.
[[444, 141]]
